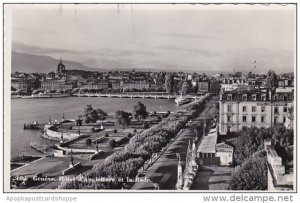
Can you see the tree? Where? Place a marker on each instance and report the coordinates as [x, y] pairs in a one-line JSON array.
[[252, 175], [146, 125], [101, 114], [112, 143], [250, 75], [238, 74], [88, 141], [94, 116], [122, 118], [140, 111], [271, 80], [88, 109], [185, 87], [291, 116], [78, 122], [195, 88], [169, 83]]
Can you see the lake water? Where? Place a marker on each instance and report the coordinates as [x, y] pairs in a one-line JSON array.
[[28, 110]]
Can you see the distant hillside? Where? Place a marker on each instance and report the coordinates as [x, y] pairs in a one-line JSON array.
[[29, 63]]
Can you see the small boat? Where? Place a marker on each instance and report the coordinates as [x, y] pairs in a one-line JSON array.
[[31, 126], [182, 100]]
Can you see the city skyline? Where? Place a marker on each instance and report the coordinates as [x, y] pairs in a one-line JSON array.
[[170, 37]]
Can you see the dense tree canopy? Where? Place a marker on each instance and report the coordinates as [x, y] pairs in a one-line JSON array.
[[169, 83], [140, 111], [92, 115], [271, 80], [185, 88], [252, 175], [252, 140], [122, 118]]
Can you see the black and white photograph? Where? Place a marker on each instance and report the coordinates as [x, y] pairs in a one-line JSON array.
[[149, 97]]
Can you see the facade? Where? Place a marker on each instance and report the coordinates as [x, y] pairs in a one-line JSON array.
[[286, 83], [56, 85], [260, 108], [20, 84], [208, 87], [157, 85], [115, 84], [136, 84], [97, 85], [225, 152], [203, 87]]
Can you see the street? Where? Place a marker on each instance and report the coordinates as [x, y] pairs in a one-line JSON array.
[[164, 171]]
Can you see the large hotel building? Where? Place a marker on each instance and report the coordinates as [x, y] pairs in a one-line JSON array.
[[260, 108]]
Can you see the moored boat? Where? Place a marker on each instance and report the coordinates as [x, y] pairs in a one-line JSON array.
[[182, 100]]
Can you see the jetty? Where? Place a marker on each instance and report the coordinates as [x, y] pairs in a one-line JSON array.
[[40, 148]]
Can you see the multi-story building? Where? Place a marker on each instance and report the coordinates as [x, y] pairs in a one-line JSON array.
[[56, 85], [136, 84], [103, 85], [209, 87], [21, 84], [115, 84], [286, 83], [260, 108]]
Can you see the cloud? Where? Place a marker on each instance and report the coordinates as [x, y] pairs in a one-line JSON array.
[[184, 35], [202, 52], [16, 46]]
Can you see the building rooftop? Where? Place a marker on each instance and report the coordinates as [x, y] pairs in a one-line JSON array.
[[256, 95], [208, 143]]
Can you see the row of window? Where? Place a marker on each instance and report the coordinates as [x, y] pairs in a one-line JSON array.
[[262, 109], [254, 119], [263, 97]]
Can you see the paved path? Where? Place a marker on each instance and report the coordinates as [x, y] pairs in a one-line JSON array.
[[164, 170]]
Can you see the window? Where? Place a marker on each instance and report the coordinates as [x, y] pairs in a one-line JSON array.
[[244, 108], [263, 97], [244, 118], [285, 98], [253, 108], [284, 109], [254, 97], [275, 110], [229, 118], [229, 97], [262, 119], [229, 107], [284, 119], [253, 119], [263, 108], [244, 98]]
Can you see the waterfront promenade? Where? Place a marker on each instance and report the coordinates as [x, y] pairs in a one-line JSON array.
[[164, 171]]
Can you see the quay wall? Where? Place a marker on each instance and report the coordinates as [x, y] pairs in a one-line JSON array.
[[74, 150], [49, 133]]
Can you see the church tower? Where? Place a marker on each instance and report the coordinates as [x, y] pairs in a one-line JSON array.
[[60, 68]]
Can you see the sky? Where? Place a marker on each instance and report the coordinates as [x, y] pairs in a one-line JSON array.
[[165, 37]]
